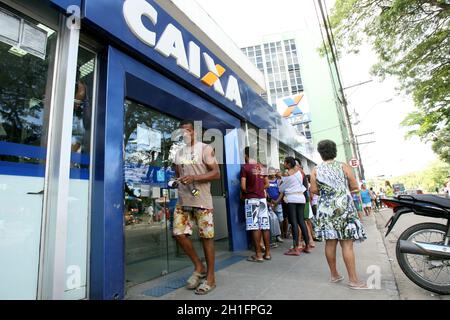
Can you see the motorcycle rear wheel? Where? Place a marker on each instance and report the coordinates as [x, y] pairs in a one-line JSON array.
[[404, 259]]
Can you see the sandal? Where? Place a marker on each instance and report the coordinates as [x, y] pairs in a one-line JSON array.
[[194, 280], [336, 280], [254, 259], [205, 288], [359, 286], [267, 258]]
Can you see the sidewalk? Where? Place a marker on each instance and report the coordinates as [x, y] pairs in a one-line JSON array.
[[284, 277]]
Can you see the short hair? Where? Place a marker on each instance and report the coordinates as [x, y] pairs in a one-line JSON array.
[[290, 161], [299, 162], [327, 149], [185, 122]]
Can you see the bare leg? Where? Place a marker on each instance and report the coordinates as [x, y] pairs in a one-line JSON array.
[[311, 238], [266, 238], [330, 253], [349, 259], [186, 245], [256, 235], [208, 249], [301, 241]]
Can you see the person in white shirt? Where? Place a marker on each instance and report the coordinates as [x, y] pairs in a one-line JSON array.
[[292, 188]]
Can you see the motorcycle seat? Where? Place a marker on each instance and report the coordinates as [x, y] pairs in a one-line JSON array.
[[429, 198]]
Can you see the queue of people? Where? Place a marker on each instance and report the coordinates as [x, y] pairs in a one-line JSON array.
[[319, 207]]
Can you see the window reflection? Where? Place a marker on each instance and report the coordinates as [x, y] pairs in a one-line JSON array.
[[82, 107], [25, 95]]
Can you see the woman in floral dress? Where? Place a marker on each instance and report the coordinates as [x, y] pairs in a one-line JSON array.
[[337, 219]]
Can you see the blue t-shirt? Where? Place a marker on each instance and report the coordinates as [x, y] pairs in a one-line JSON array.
[[273, 191], [365, 196]]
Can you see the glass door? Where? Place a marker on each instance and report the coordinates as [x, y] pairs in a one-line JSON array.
[[150, 250], [27, 56]]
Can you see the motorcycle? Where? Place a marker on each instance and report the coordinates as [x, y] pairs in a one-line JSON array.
[[423, 250]]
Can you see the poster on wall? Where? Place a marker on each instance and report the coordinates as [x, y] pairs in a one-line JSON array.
[[34, 40], [24, 37], [148, 139], [9, 28]]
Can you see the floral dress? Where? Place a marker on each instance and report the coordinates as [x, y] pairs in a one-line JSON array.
[[336, 217]]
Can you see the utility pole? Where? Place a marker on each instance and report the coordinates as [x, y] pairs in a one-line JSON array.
[[331, 44], [361, 167]]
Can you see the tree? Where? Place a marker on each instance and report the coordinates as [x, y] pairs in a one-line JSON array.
[[435, 176], [412, 41]]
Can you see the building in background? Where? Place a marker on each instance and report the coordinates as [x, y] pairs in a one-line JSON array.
[[277, 57], [303, 86]]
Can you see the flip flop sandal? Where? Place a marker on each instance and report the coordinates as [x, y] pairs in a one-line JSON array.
[[338, 279], [267, 258], [359, 286], [194, 280], [254, 259], [204, 288]]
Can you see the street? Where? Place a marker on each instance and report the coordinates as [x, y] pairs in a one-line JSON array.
[[407, 289]]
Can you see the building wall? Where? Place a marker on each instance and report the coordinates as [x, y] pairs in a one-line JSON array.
[[319, 84], [328, 122]]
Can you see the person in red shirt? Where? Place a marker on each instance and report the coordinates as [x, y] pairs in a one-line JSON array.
[[254, 181]]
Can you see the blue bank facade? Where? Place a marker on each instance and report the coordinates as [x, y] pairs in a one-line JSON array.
[[86, 175]]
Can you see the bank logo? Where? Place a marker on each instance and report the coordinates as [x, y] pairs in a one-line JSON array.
[[170, 43], [212, 77]]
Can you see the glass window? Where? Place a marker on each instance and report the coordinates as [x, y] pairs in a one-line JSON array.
[[78, 217], [26, 80]]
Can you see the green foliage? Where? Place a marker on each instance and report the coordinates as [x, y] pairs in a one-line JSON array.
[[435, 176], [412, 40]]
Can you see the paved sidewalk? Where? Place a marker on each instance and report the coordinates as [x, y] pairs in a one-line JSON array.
[[289, 277]]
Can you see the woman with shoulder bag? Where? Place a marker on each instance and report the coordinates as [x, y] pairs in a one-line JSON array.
[[293, 189]]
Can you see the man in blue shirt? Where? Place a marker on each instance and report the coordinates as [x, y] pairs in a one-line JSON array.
[[274, 199]]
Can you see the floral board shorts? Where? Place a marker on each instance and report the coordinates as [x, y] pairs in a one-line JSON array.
[[186, 217], [256, 214]]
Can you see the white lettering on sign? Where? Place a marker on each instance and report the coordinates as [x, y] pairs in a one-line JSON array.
[[171, 44], [194, 59], [233, 93], [134, 10]]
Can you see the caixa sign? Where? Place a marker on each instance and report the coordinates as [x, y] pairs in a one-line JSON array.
[[148, 29], [171, 44]]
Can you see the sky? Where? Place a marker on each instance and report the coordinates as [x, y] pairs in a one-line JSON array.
[[378, 104]]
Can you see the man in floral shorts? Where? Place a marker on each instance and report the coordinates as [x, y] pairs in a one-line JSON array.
[[195, 167]]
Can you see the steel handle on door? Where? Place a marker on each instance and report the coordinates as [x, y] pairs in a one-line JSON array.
[[36, 193]]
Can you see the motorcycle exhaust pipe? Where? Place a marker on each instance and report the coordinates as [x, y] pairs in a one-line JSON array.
[[426, 249]]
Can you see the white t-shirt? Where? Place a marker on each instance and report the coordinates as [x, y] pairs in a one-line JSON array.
[[293, 188]]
